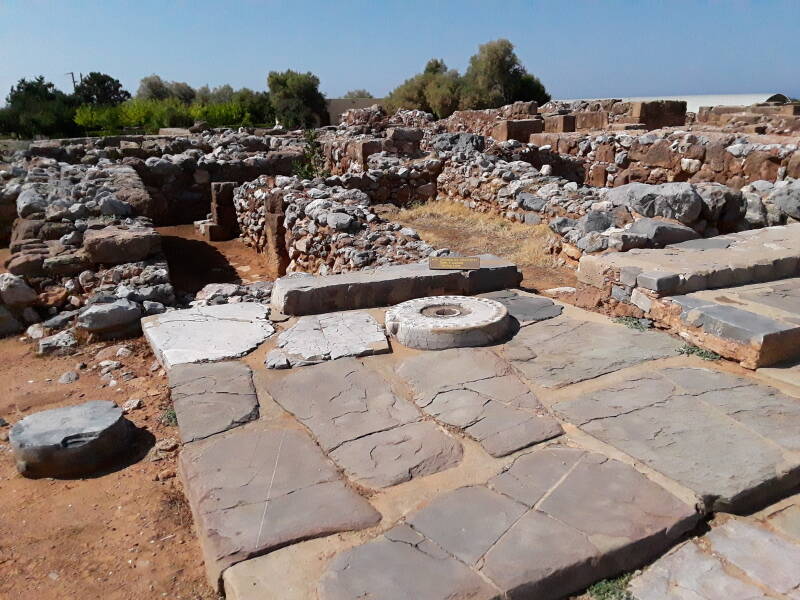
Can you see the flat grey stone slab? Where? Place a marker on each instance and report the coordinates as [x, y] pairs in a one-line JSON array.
[[526, 309], [563, 350], [212, 398], [478, 392], [71, 441], [317, 338], [733, 442], [572, 536], [688, 573], [257, 488], [389, 285], [386, 458], [358, 419], [765, 565], [401, 565], [207, 333]]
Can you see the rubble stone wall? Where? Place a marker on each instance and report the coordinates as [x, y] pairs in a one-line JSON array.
[[613, 159], [326, 229]]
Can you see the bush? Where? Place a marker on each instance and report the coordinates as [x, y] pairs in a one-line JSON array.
[[296, 99], [36, 108], [312, 162]]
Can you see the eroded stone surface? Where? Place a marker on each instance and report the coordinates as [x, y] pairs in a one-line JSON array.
[[317, 338], [211, 398], [562, 350], [570, 538], [526, 309], [478, 392], [732, 441], [355, 416], [741, 559], [207, 333], [259, 487], [70, 441]]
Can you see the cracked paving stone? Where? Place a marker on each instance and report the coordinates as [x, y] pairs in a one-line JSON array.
[[352, 411], [390, 457], [561, 351], [212, 398], [207, 333], [733, 442], [570, 537], [477, 392], [741, 559], [257, 488], [401, 569], [317, 338], [526, 309]]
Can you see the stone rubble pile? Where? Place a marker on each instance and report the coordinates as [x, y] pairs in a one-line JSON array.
[[328, 228]]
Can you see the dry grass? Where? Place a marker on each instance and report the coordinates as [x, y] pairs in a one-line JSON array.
[[447, 224]]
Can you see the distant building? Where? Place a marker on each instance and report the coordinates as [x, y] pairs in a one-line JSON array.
[[336, 106]]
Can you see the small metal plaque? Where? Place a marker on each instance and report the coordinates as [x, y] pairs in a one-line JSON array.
[[458, 263]]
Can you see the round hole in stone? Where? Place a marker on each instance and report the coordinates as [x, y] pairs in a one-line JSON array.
[[443, 311]]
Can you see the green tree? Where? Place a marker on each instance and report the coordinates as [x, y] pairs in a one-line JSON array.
[[496, 77], [360, 93], [101, 89], [296, 99], [153, 87], [35, 107], [181, 90], [436, 90]]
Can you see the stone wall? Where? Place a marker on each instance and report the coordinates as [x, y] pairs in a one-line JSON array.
[[613, 159], [314, 227]]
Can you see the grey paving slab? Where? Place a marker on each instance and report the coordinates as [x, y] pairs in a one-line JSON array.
[[739, 559], [207, 333], [525, 308], [731, 441], [358, 419], [389, 457], [317, 338], [258, 487], [564, 350], [389, 285], [688, 573], [477, 392], [546, 551], [212, 398], [401, 568]]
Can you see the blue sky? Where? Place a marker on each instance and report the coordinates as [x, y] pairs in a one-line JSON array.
[[577, 48]]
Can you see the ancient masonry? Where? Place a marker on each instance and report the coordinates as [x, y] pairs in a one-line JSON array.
[[370, 427]]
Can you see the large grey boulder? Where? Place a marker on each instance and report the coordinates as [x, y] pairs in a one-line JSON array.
[[458, 142], [661, 233], [723, 207], [70, 442], [8, 322], [30, 202], [112, 316], [14, 291], [679, 201], [787, 199], [113, 245]]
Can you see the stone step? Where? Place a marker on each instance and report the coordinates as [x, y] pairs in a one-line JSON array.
[[299, 294], [638, 276], [739, 558], [757, 325]]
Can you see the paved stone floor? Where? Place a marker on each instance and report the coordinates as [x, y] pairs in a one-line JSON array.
[[577, 450]]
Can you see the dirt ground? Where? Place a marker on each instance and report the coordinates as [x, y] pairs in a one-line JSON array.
[[445, 224], [123, 535], [194, 262]]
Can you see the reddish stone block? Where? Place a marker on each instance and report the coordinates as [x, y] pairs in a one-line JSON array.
[[559, 124], [591, 121]]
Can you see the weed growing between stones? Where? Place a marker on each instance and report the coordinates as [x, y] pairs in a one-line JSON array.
[[168, 417], [634, 323], [312, 162], [690, 350], [611, 589]]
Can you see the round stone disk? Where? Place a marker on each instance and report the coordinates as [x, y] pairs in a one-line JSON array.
[[440, 322]]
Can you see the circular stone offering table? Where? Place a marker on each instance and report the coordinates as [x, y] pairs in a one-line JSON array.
[[440, 322]]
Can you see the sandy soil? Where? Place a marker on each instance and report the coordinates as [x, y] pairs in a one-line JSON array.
[[126, 534]]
